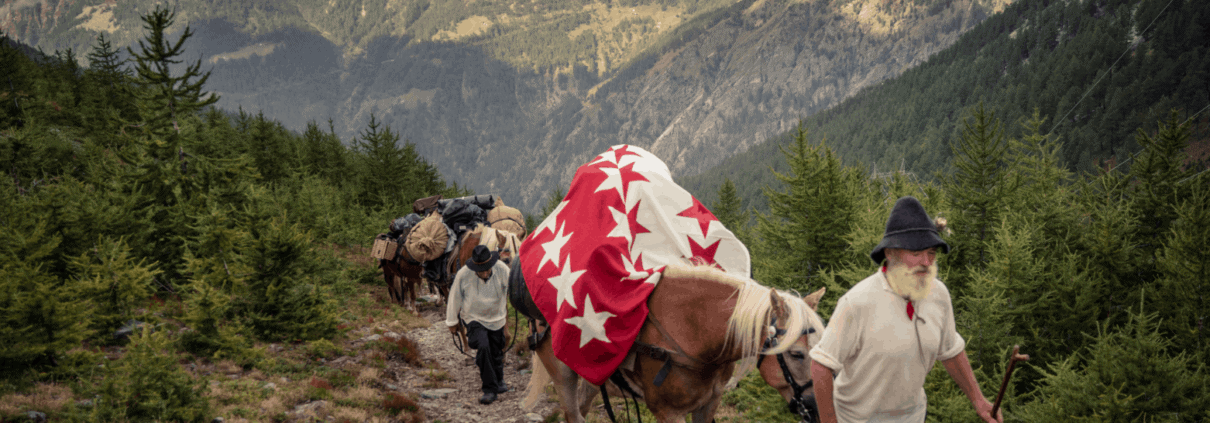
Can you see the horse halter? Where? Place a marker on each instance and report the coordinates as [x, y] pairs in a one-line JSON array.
[[797, 404]]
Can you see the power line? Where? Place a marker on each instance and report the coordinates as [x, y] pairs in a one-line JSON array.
[[1115, 63]]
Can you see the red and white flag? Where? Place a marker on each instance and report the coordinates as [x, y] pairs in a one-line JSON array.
[[591, 265]]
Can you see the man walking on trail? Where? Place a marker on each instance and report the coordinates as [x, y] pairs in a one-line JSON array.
[[479, 295], [888, 331]]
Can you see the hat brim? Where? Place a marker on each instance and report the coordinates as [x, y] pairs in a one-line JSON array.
[[480, 267], [912, 240]]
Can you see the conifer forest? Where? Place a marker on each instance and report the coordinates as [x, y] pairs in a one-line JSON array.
[[132, 205]]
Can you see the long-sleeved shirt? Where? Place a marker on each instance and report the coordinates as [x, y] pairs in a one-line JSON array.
[[478, 300], [881, 356]]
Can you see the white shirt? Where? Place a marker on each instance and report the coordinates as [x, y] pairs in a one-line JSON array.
[[880, 357], [479, 300]]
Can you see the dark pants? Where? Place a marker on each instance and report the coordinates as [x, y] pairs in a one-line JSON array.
[[490, 355]]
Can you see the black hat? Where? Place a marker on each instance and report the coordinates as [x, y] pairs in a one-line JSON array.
[[482, 259], [909, 228]]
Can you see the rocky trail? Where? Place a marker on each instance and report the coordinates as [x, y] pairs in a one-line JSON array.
[[448, 384]]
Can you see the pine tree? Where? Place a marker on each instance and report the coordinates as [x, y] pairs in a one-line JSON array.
[[322, 153], [285, 298], [107, 105], [728, 211], [977, 190], [805, 232], [103, 62], [39, 315], [115, 282], [147, 384], [1130, 374], [391, 175], [1160, 173], [1184, 263], [165, 99]]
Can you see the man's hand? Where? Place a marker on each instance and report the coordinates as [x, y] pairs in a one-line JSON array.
[[984, 409], [454, 329]]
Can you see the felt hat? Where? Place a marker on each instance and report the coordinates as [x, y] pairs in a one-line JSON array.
[[482, 259], [909, 228]]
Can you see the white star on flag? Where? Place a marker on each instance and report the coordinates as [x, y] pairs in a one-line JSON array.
[[613, 180], [629, 266], [554, 247], [622, 230], [591, 324], [565, 283], [550, 223]]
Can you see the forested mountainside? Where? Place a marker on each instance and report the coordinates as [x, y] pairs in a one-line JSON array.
[[507, 98], [1098, 71]]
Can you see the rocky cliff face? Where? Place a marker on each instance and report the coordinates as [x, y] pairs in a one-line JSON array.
[[743, 80], [745, 75]]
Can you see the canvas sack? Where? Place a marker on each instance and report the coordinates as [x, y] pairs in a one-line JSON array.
[[428, 239], [508, 219]]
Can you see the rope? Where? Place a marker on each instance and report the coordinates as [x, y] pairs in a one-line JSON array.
[[1115, 63]]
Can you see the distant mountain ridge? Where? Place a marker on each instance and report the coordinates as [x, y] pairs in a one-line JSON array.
[[1098, 72], [513, 105]]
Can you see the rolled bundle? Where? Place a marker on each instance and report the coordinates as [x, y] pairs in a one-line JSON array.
[[508, 219], [428, 238]]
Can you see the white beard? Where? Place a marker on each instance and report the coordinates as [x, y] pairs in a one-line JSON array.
[[903, 281]]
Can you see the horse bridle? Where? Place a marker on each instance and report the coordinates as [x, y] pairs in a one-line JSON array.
[[797, 402]]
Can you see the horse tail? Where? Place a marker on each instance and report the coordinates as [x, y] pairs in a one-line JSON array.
[[537, 384]]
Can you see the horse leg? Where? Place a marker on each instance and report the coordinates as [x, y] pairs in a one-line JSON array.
[[566, 382], [409, 294], [705, 414], [587, 393]]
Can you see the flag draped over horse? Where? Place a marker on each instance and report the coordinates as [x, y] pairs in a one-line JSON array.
[[593, 262]]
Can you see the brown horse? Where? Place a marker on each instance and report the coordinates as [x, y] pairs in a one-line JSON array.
[[709, 320], [403, 278]]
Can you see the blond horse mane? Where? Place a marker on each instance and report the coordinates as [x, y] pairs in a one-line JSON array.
[[753, 311], [511, 243], [487, 236]]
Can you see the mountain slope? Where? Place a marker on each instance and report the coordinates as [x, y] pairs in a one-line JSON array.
[[1097, 70], [512, 105]]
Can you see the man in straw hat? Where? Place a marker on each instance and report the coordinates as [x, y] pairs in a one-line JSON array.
[[889, 329], [479, 294]]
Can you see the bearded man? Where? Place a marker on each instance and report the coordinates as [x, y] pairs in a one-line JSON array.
[[888, 331]]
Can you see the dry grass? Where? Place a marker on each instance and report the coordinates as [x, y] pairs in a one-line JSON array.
[[45, 397], [368, 374], [272, 406], [228, 367], [437, 379], [350, 414], [360, 394]]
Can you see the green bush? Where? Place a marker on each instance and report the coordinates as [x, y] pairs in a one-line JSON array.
[[114, 282], [286, 299], [147, 384], [323, 348], [1127, 375]]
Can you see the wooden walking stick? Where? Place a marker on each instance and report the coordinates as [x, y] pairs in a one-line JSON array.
[[1007, 374]]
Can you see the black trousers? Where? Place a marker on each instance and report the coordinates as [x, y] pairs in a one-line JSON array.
[[490, 356]]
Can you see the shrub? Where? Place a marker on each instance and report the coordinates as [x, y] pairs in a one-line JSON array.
[[147, 384], [323, 348], [114, 281]]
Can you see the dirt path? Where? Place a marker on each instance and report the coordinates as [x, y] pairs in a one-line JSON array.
[[462, 404]]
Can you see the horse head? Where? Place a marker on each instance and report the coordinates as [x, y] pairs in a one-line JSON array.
[[789, 372]]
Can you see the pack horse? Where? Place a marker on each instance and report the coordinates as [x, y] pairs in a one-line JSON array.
[[643, 293]]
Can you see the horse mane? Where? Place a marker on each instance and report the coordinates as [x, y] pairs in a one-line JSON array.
[[753, 314], [753, 311], [487, 236], [511, 242]]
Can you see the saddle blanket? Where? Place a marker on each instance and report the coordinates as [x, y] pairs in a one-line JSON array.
[[593, 262]]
